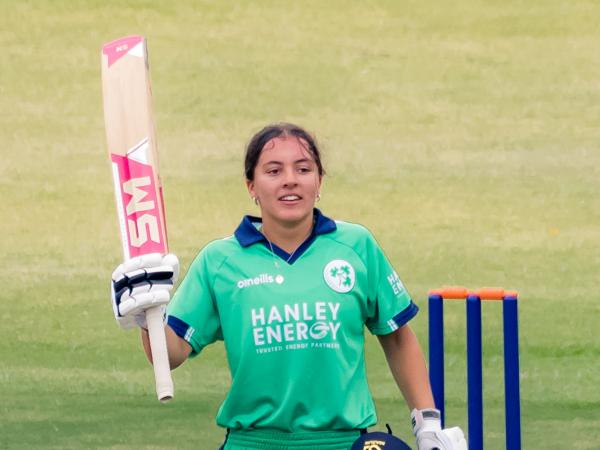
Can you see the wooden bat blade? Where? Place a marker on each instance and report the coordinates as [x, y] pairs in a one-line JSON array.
[[131, 141]]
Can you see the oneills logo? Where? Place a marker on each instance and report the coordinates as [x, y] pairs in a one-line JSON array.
[[263, 278]]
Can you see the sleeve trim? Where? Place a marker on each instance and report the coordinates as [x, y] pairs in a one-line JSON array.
[[397, 321], [184, 331]]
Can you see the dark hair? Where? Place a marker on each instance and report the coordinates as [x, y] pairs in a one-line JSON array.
[[258, 141]]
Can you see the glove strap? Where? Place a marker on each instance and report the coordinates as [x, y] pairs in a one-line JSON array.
[[428, 419]]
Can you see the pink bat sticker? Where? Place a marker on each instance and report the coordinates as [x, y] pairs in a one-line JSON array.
[[140, 206], [117, 49]]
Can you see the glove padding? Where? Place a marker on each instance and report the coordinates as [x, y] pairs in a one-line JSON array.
[[140, 283], [427, 426]]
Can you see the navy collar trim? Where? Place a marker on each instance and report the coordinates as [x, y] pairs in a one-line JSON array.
[[247, 234]]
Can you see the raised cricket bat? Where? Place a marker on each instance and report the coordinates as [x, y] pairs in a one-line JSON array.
[[132, 150]]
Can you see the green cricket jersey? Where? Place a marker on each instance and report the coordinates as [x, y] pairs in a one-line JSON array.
[[292, 324]]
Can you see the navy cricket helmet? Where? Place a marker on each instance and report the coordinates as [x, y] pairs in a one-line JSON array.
[[378, 440]]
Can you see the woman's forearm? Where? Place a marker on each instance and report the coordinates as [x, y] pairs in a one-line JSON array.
[[177, 348], [406, 361]]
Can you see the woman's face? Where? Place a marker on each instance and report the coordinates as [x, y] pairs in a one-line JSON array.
[[286, 181]]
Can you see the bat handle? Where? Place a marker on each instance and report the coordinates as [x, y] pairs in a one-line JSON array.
[[160, 355]]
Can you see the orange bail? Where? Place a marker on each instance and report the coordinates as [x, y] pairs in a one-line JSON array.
[[451, 292], [461, 293]]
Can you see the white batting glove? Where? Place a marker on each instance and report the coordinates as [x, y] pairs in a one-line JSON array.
[[427, 426], [140, 283]]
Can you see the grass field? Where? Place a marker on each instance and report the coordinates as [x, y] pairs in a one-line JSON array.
[[463, 134]]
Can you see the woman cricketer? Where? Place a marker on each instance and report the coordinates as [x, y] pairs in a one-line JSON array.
[[290, 293]]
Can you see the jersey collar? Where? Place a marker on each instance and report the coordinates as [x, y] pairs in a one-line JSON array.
[[247, 234]]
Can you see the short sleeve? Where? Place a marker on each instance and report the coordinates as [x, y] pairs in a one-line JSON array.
[[389, 305], [192, 313]]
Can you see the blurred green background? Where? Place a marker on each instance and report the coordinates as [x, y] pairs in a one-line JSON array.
[[463, 134]]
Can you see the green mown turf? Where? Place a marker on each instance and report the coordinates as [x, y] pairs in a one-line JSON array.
[[463, 134]]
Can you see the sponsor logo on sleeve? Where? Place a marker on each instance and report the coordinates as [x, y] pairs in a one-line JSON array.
[[395, 283]]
